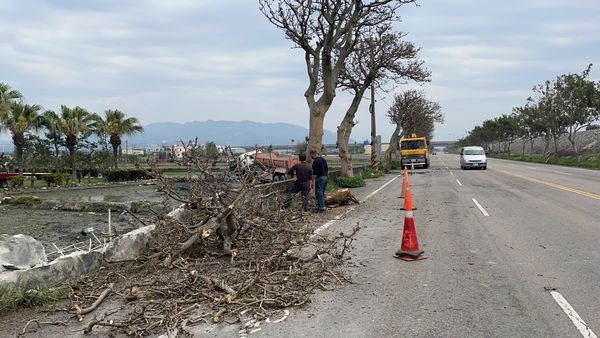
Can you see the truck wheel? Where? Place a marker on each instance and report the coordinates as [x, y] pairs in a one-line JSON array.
[[426, 165]]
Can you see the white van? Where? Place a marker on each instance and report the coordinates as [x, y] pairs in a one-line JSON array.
[[473, 157]]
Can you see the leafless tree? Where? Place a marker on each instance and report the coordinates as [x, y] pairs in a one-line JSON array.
[[380, 58], [327, 31], [412, 112]]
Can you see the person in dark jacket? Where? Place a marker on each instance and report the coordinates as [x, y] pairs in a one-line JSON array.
[[320, 178], [302, 174]]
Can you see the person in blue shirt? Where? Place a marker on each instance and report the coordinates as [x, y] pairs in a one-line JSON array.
[[319, 178]]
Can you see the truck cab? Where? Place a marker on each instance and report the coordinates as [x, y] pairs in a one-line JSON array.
[[414, 151]]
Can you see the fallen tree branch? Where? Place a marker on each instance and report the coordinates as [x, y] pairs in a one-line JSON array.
[[94, 305]]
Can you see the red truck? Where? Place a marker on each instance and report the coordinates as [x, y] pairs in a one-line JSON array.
[[270, 166], [276, 163]]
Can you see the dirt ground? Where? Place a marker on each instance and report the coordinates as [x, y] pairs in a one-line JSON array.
[[61, 321]]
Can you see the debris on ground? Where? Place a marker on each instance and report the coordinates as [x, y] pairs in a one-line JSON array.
[[231, 255]]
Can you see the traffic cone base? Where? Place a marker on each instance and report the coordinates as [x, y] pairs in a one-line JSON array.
[[409, 257]]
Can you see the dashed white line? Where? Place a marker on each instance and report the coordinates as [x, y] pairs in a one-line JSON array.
[[583, 328], [560, 172], [444, 163], [480, 208], [457, 181]]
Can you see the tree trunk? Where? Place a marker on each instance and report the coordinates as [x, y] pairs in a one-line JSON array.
[[115, 156], [315, 131], [573, 141], [19, 142], [19, 150], [531, 142], [343, 133], [547, 145], [115, 141], [394, 147], [555, 137], [56, 153], [72, 160], [524, 144]]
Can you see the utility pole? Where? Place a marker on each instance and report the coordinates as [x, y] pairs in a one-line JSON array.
[[373, 132]]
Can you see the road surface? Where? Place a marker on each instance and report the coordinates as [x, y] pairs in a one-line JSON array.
[[514, 251]]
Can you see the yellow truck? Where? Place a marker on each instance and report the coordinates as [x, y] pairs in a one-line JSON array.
[[414, 151]]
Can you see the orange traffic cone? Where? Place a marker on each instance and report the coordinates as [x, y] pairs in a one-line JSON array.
[[409, 249], [408, 204], [404, 183]]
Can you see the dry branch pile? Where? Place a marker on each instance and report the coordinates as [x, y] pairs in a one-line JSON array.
[[232, 252]]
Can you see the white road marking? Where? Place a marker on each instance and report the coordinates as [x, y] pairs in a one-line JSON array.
[[340, 216], [378, 190], [330, 222], [530, 167], [480, 207], [583, 328], [560, 172], [457, 181], [451, 173], [444, 163]]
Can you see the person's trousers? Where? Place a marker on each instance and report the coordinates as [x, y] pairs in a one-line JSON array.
[[320, 185], [304, 190]]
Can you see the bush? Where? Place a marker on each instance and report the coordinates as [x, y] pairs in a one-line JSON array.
[[121, 175], [56, 179], [350, 182], [24, 200], [393, 165], [16, 181], [371, 174]]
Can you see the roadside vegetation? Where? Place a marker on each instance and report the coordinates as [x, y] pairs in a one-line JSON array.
[[14, 298], [559, 108], [587, 160]]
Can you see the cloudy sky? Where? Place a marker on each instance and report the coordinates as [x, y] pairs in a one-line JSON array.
[[185, 60]]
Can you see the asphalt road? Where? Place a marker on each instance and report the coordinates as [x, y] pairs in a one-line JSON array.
[[525, 263]]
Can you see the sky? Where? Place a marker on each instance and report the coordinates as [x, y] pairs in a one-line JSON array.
[[186, 60]]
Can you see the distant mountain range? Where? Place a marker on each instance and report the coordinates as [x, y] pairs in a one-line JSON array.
[[242, 133], [237, 133]]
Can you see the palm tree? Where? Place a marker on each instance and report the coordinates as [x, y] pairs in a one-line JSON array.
[[19, 119], [51, 122], [116, 125], [7, 96], [73, 123]]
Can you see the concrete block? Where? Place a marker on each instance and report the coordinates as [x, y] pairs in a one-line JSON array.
[[20, 252]]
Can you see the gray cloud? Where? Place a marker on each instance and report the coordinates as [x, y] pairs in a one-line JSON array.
[[197, 60]]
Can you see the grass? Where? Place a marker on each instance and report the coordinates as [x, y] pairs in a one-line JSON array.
[[14, 298], [372, 174], [350, 182], [588, 160], [27, 200]]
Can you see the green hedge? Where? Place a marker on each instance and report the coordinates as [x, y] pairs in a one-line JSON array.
[[24, 200], [56, 179], [350, 182], [16, 181], [120, 175]]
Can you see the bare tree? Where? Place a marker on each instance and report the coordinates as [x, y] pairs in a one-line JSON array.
[[412, 112], [380, 58], [327, 31]]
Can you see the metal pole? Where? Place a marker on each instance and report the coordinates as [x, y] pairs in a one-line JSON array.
[[373, 131]]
